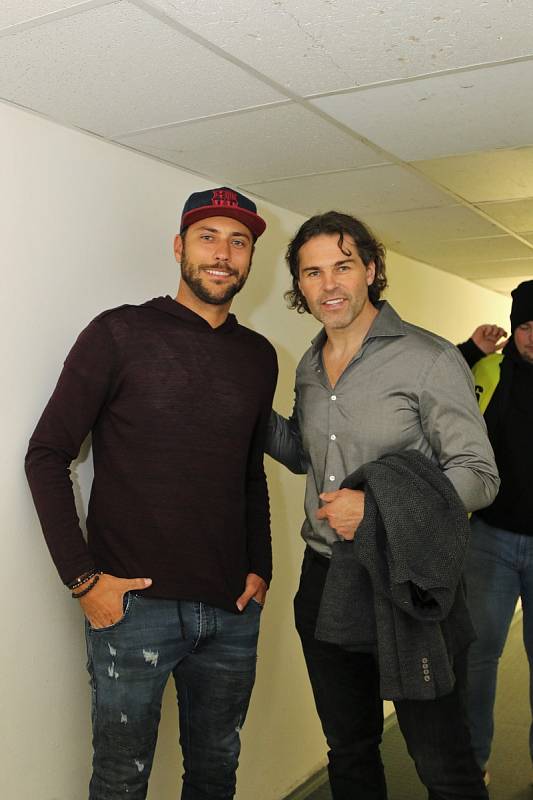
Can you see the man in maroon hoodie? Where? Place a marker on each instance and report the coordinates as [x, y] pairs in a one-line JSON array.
[[177, 396]]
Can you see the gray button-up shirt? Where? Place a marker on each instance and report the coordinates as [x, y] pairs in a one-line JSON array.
[[405, 388]]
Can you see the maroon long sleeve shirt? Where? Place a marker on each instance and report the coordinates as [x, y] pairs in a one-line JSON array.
[[178, 413]]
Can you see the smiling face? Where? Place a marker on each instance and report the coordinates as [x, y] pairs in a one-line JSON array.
[[334, 282], [523, 339], [215, 256]]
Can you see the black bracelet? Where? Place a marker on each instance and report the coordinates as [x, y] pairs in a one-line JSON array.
[[77, 595], [82, 579]]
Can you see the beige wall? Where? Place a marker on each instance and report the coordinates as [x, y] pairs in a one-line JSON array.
[[442, 302], [87, 226]]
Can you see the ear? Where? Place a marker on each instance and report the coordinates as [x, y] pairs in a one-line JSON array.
[[178, 247], [370, 273]]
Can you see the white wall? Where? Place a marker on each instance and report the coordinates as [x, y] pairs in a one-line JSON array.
[[85, 226]]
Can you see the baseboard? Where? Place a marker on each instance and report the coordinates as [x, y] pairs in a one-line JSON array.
[[309, 786], [320, 777]]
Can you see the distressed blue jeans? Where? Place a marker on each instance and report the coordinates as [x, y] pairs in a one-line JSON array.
[[211, 654], [499, 570]]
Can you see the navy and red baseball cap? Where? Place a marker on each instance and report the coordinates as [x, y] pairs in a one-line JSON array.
[[222, 202]]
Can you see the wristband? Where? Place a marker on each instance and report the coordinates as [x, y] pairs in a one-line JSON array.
[[82, 579], [95, 579]]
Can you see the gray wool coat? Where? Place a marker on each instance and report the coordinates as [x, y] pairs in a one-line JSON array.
[[397, 587]]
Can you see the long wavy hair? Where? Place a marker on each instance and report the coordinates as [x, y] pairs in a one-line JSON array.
[[333, 222]]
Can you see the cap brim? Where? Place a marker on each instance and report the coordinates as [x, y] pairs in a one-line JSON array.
[[254, 222]]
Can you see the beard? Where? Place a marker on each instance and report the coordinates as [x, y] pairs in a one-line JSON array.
[[192, 275]]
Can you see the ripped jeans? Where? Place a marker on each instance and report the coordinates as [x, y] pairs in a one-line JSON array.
[[211, 654]]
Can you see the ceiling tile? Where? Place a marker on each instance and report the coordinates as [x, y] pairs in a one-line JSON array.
[[516, 214], [315, 46], [504, 284], [115, 69], [12, 12], [272, 142], [270, 37], [442, 115], [479, 177], [359, 192], [467, 252], [415, 38], [430, 225], [518, 268]]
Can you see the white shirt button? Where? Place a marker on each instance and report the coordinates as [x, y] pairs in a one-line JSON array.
[[333, 396], [332, 477], [332, 437]]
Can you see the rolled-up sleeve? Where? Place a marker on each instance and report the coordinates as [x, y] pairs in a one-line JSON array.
[[453, 425]]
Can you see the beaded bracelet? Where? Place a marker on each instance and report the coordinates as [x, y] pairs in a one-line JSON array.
[[82, 579], [96, 578]]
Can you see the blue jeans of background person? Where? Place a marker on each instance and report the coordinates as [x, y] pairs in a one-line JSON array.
[[499, 571], [346, 690], [212, 655]]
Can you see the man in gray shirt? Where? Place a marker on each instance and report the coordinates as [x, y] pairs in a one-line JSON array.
[[372, 384]]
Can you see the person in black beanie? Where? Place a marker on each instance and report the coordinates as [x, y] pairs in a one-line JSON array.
[[500, 564]]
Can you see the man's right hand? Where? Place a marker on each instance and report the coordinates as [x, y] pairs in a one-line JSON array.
[[488, 338], [103, 605]]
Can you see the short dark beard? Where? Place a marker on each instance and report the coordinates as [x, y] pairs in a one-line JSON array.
[[194, 283]]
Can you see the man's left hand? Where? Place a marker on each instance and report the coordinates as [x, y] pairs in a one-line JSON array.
[[256, 588], [489, 338], [343, 510]]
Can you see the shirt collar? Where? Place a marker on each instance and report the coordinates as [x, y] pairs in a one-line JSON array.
[[386, 323]]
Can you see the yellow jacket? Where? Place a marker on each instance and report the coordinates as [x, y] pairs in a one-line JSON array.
[[486, 377]]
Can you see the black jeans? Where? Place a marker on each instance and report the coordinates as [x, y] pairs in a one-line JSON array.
[[346, 690]]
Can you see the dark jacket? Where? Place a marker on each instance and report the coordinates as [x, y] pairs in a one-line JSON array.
[[504, 386], [398, 584]]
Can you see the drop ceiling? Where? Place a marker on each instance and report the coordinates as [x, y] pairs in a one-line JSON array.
[[414, 114]]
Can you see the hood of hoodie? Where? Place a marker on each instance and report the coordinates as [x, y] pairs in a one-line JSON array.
[[167, 305]]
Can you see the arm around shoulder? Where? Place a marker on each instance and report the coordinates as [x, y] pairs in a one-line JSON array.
[[284, 443]]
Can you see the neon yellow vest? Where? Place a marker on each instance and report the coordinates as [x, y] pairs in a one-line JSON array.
[[486, 376]]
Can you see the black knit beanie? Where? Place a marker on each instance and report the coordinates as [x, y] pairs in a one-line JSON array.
[[522, 308]]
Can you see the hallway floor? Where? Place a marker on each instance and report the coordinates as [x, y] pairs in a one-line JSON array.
[[510, 765]]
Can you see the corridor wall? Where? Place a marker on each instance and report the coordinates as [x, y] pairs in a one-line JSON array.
[[87, 225]]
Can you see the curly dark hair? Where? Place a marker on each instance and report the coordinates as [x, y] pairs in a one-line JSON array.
[[333, 222]]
